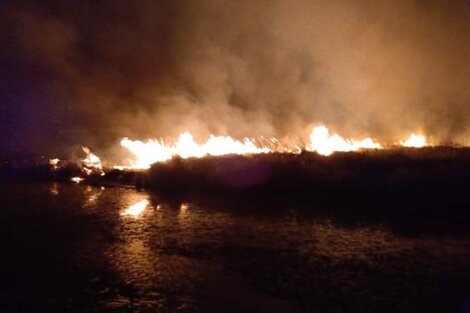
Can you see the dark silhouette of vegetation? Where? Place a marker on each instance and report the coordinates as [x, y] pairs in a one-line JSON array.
[[422, 177], [398, 169]]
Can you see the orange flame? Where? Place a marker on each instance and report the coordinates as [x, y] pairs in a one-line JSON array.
[[154, 151], [325, 144], [415, 141], [54, 163], [76, 179], [92, 163]]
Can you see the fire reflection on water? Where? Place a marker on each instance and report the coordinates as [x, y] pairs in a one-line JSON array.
[[182, 211], [54, 190], [170, 249], [92, 195], [136, 209], [236, 251], [146, 229]]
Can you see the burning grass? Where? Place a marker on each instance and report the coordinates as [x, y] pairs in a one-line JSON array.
[[308, 171], [430, 180]]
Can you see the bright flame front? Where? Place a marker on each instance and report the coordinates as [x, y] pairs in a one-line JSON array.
[[325, 144], [321, 141], [152, 151], [415, 141]]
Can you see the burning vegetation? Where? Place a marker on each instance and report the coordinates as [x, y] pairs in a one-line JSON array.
[[222, 163], [327, 161], [92, 163], [321, 141]]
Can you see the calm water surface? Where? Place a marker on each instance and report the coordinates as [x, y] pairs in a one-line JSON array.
[[77, 248]]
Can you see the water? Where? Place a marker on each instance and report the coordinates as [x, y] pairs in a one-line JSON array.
[[77, 248]]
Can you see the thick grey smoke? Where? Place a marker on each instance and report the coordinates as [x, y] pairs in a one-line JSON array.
[[143, 69]]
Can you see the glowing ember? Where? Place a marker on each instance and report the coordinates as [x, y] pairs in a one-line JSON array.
[[136, 209], [92, 163], [414, 141], [54, 190], [76, 179], [325, 144], [154, 151]]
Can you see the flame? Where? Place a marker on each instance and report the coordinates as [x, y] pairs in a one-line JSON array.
[[415, 141], [154, 151], [92, 163], [54, 163], [325, 144], [136, 209], [76, 179]]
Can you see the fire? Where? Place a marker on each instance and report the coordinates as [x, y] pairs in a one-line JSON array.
[[415, 141], [325, 144], [153, 151], [54, 163], [321, 141], [92, 163], [76, 179]]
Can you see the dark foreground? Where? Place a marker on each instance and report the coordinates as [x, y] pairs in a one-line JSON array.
[[69, 248]]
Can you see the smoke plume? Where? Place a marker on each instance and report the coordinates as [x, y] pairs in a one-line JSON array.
[[88, 72]]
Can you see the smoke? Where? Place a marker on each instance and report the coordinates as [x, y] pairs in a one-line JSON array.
[[91, 72]]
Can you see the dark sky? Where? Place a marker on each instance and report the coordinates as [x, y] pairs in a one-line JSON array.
[[90, 72]]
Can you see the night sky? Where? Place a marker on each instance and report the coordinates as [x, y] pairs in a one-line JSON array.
[[90, 72]]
